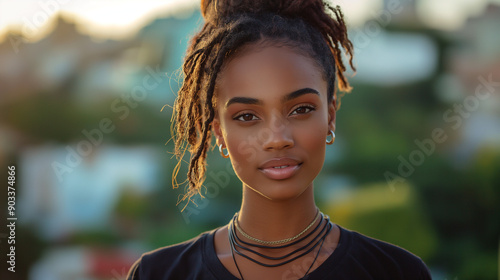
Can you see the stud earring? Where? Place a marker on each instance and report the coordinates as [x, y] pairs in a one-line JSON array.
[[331, 140], [222, 152]]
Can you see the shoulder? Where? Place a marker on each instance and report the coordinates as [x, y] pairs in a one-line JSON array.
[[170, 261], [384, 259]]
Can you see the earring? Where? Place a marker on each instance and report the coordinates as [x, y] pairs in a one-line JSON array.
[[333, 138], [222, 152]]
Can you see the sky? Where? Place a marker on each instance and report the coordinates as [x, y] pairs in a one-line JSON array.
[[119, 18]]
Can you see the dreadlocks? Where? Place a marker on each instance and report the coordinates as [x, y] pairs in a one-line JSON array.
[[305, 25]]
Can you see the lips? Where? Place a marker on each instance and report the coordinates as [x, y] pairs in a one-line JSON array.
[[280, 168]]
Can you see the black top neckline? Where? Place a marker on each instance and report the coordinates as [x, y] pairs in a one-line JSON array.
[[219, 271]]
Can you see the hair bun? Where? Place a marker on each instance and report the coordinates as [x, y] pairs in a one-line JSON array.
[[215, 10]]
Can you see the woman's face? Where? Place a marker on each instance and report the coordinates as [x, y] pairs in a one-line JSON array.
[[273, 117]]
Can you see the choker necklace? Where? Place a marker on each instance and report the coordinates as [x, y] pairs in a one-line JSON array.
[[242, 248], [277, 242]]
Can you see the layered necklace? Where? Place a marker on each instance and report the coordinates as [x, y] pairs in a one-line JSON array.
[[245, 250]]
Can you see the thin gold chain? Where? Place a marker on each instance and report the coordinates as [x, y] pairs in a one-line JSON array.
[[277, 241]]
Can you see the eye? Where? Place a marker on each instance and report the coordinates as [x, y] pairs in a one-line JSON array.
[[303, 110], [246, 117]]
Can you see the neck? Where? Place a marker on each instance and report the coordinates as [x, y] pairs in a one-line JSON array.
[[270, 220]]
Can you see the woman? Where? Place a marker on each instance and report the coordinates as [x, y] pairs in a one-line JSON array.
[[260, 76]]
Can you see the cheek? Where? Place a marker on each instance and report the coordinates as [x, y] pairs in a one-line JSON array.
[[312, 139], [243, 150], [312, 134]]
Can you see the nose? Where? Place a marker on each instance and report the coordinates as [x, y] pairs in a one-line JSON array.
[[278, 136]]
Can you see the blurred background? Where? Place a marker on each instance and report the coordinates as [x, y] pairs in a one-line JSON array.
[[416, 161]]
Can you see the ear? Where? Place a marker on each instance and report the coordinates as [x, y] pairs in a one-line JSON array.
[[217, 131], [331, 115]]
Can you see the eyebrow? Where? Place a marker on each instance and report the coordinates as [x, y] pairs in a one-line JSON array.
[[288, 97]]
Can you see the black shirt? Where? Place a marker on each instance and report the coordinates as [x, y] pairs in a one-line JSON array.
[[356, 257]]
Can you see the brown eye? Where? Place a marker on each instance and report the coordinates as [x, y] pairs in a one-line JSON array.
[[246, 117], [302, 110]]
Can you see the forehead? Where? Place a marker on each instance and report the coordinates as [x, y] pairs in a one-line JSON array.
[[268, 71]]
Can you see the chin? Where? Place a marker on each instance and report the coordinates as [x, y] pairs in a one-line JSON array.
[[281, 190]]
